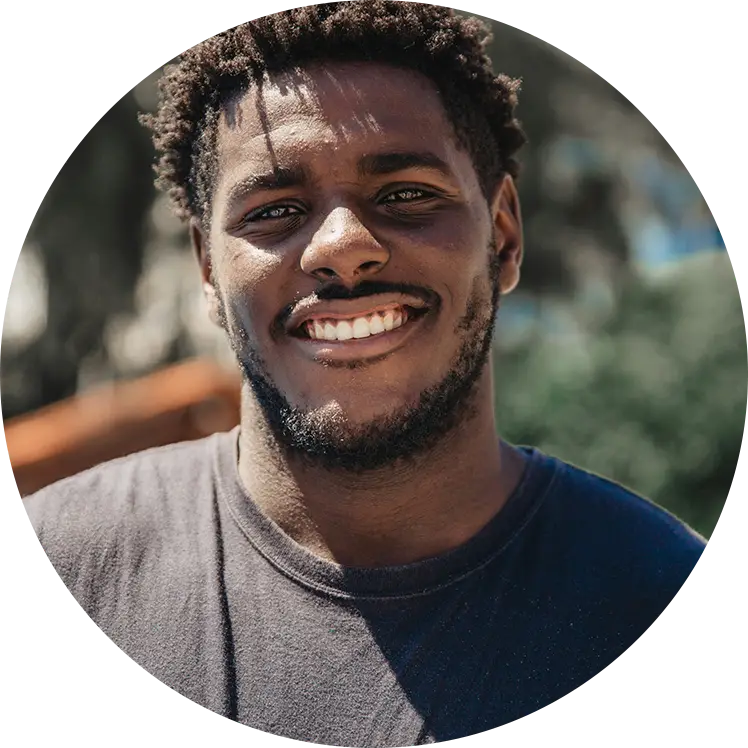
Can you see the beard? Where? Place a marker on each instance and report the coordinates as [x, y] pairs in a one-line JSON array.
[[330, 441]]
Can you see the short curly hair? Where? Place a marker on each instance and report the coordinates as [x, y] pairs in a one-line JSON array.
[[446, 48]]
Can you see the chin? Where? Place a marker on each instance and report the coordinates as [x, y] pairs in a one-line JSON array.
[[361, 406]]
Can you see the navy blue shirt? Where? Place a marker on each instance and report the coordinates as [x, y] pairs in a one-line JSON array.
[[172, 559]]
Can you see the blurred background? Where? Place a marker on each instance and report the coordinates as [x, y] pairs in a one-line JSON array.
[[624, 352]]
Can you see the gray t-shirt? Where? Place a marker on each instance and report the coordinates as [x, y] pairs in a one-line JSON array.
[[171, 558]]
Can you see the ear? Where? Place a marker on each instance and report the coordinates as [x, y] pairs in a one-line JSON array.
[[507, 225], [199, 241]]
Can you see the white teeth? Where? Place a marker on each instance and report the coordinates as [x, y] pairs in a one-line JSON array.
[[361, 328], [375, 324], [357, 327], [345, 330]]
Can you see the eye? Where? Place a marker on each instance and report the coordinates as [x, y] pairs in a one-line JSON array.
[[273, 213], [406, 195]]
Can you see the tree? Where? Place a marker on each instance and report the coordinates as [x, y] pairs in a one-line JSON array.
[[653, 397], [89, 232]]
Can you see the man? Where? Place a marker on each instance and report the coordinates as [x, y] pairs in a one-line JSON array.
[[364, 562]]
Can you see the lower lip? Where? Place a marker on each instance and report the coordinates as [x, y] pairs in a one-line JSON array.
[[360, 349]]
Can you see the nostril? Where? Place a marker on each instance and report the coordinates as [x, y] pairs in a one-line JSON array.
[[371, 265], [325, 273]]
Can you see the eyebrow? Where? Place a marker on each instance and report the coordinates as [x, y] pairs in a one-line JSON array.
[[377, 164], [278, 179]]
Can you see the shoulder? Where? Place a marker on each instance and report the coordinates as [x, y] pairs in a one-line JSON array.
[[139, 483], [613, 538], [592, 568], [622, 515], [116, 512]]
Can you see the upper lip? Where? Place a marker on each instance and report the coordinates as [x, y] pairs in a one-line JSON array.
[[313, 308]]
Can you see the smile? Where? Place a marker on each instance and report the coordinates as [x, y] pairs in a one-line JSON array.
[[369, 336], [356, 327]]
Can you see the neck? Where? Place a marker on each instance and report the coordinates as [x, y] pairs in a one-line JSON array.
[[396, 515]]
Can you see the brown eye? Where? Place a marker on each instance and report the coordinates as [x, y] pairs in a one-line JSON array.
[[273, 213], [406, 195]]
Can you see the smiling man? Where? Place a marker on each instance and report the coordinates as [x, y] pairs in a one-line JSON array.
[[364, 562]]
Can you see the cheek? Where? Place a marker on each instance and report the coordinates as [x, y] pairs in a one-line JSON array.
[[456, 247], [454, 259], [249, 283]]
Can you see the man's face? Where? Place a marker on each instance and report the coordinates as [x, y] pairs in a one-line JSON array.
[[353, 260]]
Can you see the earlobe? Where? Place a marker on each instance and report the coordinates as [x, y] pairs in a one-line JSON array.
[[199, 243], [200, 247], [507, 224], [211, 297]]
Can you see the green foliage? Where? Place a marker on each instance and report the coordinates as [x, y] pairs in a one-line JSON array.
[[654, 397]]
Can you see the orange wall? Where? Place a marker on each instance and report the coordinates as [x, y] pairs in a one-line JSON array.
[[186, 401]]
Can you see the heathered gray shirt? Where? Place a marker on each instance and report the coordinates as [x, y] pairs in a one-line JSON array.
[[168, 555]]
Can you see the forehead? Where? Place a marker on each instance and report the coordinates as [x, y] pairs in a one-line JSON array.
[[336, 113]]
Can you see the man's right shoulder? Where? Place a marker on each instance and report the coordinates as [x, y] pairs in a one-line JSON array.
[[119, 508], [133, 484]]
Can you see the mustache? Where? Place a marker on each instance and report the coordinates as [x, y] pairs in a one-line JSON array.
[[337, 292]]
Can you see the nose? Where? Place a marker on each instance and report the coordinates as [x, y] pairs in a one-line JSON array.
[[343, 249]]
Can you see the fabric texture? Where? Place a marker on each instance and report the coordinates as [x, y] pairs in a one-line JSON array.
[[174, 562]]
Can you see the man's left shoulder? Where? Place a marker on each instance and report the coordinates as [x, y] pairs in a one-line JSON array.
[[617, 532]]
